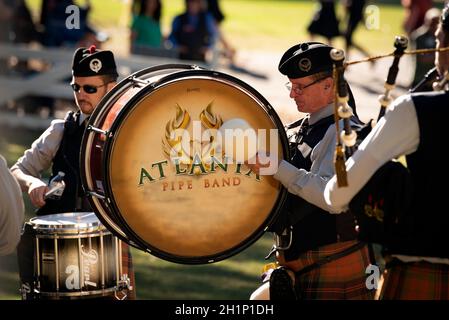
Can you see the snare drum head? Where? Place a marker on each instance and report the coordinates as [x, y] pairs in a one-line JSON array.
[[69, 222]]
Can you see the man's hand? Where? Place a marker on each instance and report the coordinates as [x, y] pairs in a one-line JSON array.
[[255, 165], [37, 191]]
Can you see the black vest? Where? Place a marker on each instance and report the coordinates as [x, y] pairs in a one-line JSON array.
[[195, 39], [67, 160], [426, 231], [312, 226]]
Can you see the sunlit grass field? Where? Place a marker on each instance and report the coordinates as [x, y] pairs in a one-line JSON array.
[[270, 25]]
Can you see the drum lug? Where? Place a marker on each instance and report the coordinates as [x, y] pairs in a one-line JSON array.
[[96, 195], [124, 286], [97, 130], [139, 82], [125, 283]]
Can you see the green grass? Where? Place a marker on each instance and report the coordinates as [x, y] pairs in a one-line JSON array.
[[271, 25], [234, 278]]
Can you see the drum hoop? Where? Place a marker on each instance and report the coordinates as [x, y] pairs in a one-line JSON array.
[[78, 293], [110, 98], [70, 234], [109, 143], [71, 227]]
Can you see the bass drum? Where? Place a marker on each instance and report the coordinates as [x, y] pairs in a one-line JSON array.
[[157, 183]]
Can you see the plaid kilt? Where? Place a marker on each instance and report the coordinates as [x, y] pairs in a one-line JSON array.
[[416, 281], [340, 279]]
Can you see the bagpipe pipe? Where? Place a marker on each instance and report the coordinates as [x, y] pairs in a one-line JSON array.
[[380, 208]]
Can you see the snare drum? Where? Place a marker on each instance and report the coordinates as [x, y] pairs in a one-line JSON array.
[[151, 192], [75, 257]]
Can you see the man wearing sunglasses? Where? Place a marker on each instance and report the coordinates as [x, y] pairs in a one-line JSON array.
[[94, 74], [318, 253]]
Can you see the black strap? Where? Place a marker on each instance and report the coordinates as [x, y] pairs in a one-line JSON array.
[[372, 256], [394, 262], [295, 124], [330, 258]]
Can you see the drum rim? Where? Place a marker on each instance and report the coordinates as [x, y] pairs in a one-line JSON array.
[[277, 206], [79, 293], [43, 233], [109, 100], [72, 227]]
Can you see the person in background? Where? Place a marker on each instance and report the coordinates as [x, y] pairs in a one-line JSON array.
[[54, 32], [424, 38], [145, 28], [194, 32], [415, 12], [354, 15], [213, 7], [324, 22]]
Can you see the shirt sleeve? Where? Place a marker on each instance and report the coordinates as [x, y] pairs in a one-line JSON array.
[[11, 210], [40, 156], [310, 185], [396, 134]]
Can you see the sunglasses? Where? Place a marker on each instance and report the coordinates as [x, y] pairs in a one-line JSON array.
[[89, 89]]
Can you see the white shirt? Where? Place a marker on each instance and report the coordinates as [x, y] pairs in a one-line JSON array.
[[310, 185], [11, 210], [396, 134], [40, 156]]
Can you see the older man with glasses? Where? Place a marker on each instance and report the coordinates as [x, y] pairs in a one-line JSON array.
[[94, 74], [318, 255]]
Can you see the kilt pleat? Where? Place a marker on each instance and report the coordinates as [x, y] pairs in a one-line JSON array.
[[340, 279], [416, 281]]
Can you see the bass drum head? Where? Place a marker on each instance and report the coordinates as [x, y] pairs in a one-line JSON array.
[[181, 201]]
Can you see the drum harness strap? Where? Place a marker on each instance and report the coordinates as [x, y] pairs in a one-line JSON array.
[[69, 128], [284, 241]]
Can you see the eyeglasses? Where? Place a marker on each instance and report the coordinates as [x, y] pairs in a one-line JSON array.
[[298, 89], [89, 89]]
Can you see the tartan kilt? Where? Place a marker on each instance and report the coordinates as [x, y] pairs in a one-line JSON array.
[[340, 279], [416, 281]]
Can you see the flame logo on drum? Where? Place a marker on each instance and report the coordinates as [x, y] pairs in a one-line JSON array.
[[173, 145], [210, 120]]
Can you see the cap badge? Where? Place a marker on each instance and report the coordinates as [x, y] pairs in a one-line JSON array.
[[95, 65], [305, 64]]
